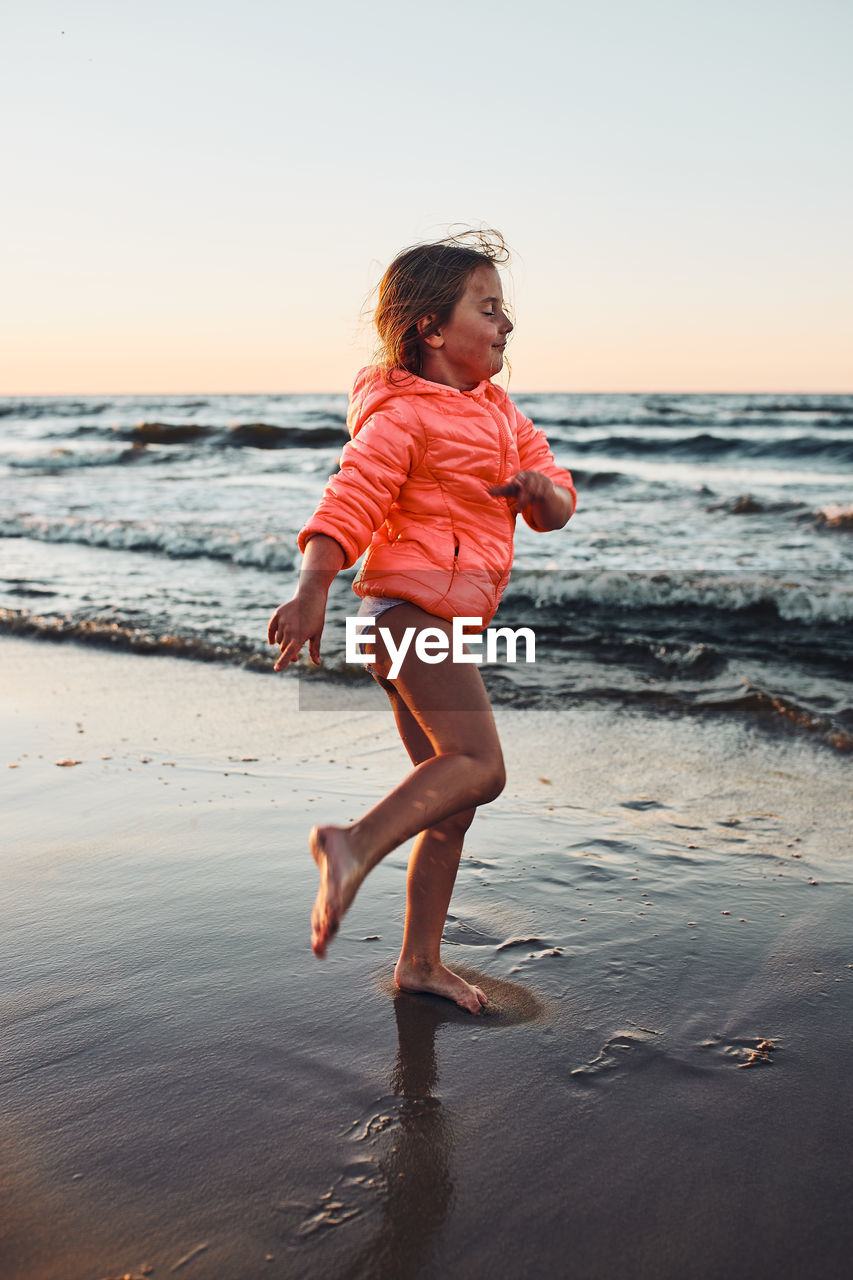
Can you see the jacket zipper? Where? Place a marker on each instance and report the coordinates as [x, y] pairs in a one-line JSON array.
[[503, 434]]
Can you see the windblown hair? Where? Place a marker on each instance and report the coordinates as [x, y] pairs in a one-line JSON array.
[[427, 280]]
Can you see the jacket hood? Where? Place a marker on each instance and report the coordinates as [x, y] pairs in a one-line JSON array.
[[373, 391]]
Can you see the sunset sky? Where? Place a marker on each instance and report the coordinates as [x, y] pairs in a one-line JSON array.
[[200, 194]]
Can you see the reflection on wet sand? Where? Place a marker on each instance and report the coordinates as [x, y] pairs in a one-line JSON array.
[[415, 1163], [402, 1174]]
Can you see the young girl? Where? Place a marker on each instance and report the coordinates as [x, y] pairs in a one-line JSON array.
[[439, 465]]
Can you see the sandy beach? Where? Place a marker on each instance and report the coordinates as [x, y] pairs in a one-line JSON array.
[[659, 910]]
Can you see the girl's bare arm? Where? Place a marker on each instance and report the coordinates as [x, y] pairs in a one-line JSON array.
[[302, 618]]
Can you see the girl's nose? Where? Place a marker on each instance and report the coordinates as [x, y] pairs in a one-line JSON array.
[[507, 325]]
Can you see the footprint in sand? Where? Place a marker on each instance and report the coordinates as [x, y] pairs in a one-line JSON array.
[[750, 1051], [355, 1192], [522, 942], [463, 931], [389, 1113], [629, 1049]]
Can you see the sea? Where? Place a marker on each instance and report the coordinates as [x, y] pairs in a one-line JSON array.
[[708, 570]]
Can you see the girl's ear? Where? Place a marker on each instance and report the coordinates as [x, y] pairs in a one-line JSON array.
[[431, 339]]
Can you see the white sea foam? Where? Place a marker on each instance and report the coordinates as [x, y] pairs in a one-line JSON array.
[[183, 540], [803, 600]]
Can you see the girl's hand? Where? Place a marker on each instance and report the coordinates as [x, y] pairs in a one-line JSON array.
[[301, 619], [524, 488], [544, 504]]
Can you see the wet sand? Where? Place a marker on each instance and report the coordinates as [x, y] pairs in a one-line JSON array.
[[658, 910]]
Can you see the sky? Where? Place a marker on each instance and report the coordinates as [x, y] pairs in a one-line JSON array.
[[200, 195]]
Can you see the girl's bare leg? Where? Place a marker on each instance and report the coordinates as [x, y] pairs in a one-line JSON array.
[[433, 864], [443, 709], [432, 874]]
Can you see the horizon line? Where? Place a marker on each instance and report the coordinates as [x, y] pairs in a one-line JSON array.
[[648, 391]]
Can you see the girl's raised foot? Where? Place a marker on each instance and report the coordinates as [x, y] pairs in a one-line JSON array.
[[340, 876], [437, 980]]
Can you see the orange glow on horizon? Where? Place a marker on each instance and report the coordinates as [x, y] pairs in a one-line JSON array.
[[98, 366]]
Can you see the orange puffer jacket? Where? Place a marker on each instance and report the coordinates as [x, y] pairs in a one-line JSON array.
[[414, 485]]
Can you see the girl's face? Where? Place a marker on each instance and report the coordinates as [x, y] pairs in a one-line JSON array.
[[469, 348]]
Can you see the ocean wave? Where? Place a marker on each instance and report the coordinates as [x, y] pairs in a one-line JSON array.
[[52, 408], [671, 420], [838, 404], [599, 479], [557, 421], [256, 435], [827, 602], [749, 701], [64, 459], [763, 708], [115, 635], [139, 441], [807, 598], [746, 504], [822, 421], [178, 541], [164, 432], [707, 447], [263, 435], [328, 431], [782, 710]]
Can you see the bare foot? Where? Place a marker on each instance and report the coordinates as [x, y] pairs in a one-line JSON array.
[[340, 876], [439, 981]]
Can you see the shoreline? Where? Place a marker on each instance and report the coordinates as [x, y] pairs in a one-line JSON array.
[[601, 753], [773, 717], [649, 903]]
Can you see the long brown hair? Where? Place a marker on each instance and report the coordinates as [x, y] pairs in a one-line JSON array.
[[427, 280]]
